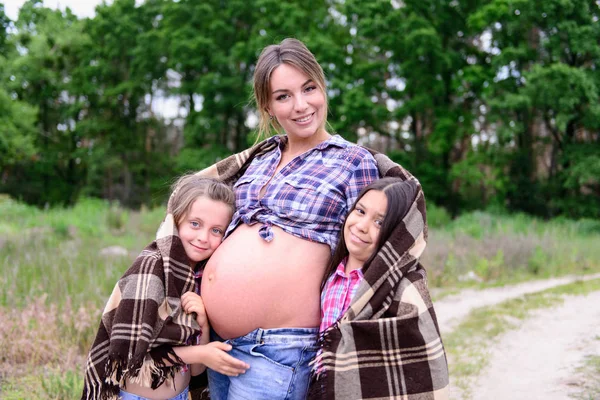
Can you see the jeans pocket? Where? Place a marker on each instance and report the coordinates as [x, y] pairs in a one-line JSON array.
[[276, 354]]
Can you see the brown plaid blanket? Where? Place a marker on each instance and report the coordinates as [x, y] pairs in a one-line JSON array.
[[142, 321], [387, 345]]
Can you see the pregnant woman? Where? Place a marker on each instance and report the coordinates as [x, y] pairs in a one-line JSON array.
[[261, 288]]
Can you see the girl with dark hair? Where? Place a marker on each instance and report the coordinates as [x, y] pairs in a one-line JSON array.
[[379, 208], [379, 334]]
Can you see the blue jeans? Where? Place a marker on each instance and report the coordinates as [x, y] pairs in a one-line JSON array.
[[128, 396], [279, 365]]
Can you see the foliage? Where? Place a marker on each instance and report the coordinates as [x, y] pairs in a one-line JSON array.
[[487, 102]]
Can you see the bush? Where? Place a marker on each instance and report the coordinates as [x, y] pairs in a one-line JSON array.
[[437, 217], [116, 217]]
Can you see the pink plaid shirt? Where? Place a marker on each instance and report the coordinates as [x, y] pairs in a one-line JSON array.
[[337, 294]]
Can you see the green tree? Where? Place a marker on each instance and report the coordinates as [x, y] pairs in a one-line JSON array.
[[431, 74], [118, 77], [17, 119], [40, 74], [545, 98]]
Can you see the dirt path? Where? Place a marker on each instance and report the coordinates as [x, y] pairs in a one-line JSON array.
[[452, 309], [538, 361]]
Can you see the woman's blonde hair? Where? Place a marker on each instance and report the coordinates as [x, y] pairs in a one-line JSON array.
[[189, 187], [292, 52]]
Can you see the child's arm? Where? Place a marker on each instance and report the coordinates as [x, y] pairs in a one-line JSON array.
[[212, 355]]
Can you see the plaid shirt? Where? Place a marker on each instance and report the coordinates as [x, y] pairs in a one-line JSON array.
[[337, 294], [310, 196]]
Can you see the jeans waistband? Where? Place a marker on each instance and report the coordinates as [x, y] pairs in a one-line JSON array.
[[123, 395], [307, 336]]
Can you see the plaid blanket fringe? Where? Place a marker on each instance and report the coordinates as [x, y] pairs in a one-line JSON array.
[[142, 321]]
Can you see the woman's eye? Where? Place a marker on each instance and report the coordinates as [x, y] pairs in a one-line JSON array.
[[310, 88], [282, 97]]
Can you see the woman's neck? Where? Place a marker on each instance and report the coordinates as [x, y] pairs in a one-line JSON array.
[[296, 146]]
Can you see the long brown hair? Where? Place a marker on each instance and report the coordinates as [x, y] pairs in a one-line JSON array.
[[400, 195], [292, 52]]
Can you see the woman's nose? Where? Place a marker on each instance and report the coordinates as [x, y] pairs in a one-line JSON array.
[[300, 104]]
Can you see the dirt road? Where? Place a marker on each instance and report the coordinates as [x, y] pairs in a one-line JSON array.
[[452, 309], [537, 361]]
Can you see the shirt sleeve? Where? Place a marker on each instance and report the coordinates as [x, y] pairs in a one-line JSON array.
[[365, 172]]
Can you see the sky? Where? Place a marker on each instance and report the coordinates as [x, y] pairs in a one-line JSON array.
[[81, 8]]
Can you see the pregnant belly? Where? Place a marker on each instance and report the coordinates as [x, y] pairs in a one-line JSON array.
[[249, 283]]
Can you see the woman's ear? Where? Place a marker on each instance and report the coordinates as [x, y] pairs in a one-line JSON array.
[[268, 110]]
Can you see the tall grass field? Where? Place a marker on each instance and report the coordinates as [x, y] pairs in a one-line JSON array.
[[56, 274]]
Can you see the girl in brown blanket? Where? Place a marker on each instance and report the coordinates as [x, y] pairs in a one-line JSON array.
[[378, 209], [393, 350], [154, 332]]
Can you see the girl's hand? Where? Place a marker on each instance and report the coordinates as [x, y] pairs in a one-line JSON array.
[[214, 356], [191, 302]]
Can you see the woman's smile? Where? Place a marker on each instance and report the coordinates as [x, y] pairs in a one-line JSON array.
[[304, 120]]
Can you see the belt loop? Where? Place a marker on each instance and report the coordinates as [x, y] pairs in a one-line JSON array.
[[259, 335]]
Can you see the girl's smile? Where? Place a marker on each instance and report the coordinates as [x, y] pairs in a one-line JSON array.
[[355, 238]]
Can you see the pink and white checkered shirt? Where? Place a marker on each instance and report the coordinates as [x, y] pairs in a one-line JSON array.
[[337, 294]]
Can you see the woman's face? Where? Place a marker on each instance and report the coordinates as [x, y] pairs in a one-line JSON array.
[[297, 103]]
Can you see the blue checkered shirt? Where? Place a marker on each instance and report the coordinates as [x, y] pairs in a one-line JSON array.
[[310, 196]]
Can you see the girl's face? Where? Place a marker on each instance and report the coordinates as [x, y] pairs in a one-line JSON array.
[[297, 103], [201, 229], [363, 225]]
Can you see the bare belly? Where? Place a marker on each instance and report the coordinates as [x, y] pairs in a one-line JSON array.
[[164, 391], [249, 283]]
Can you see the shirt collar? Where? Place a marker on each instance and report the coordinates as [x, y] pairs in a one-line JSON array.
[[334, 140], [341, 270]]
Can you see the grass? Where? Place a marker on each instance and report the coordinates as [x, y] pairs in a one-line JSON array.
[[589, 376], [54, 283], [483, 249], [47, 384], [467, 346], [56, 252]]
